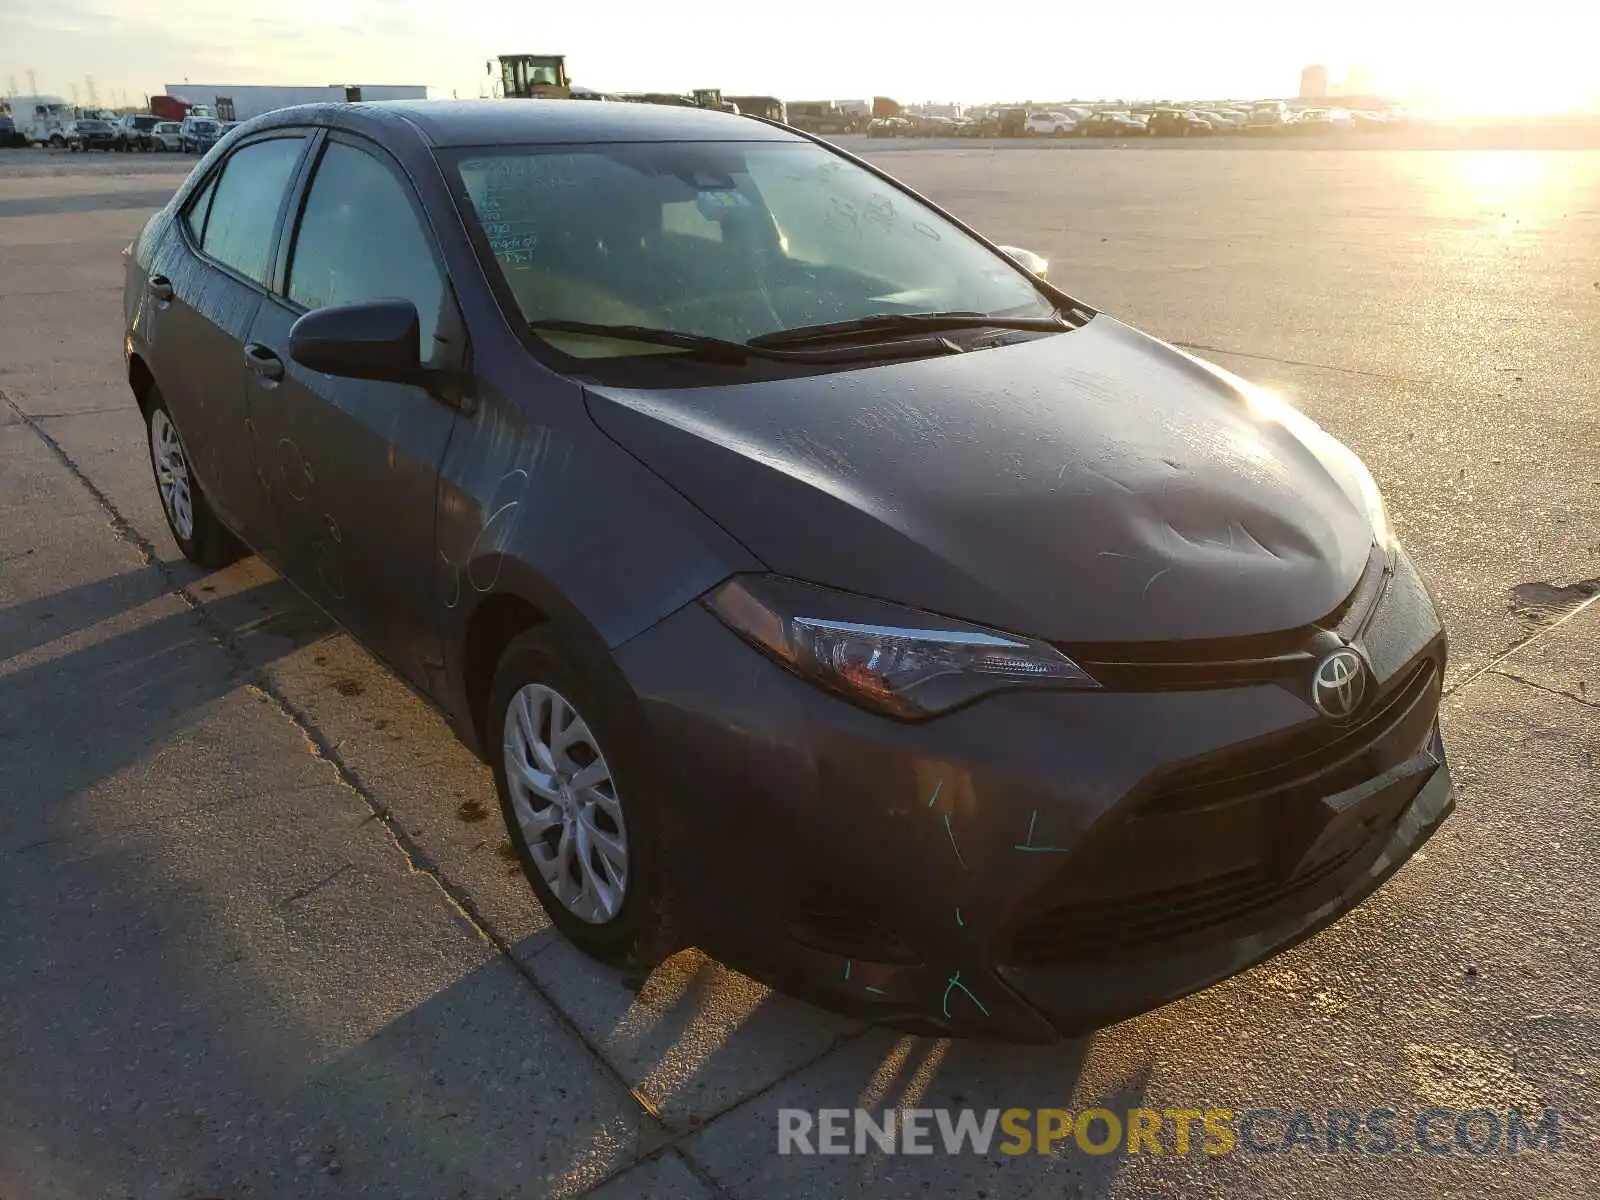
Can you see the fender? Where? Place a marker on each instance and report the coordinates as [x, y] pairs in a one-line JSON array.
[[537, 504]]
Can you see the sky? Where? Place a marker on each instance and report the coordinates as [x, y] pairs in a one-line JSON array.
[[1472, 55]]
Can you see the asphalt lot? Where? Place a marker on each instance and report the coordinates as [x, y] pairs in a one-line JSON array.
[[262, 939]]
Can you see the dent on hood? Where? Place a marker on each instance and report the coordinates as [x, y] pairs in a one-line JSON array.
[[1090, 486]]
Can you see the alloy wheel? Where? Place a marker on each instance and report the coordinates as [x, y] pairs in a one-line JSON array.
[[172, 473], [566, 803]]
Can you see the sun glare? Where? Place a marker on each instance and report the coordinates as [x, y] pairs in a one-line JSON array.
[[1497, 175], [1526, 98]]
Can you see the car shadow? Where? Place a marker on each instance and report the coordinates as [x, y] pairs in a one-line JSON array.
[[716, 1057], [165, 1055], [72, 719], [37, 622], [218, 983]]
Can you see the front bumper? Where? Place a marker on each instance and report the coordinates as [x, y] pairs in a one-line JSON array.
[[1037, 863]]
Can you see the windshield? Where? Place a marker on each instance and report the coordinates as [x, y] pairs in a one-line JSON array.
[[730, 240]]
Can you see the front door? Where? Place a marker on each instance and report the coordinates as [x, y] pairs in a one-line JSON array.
[[352, 466]]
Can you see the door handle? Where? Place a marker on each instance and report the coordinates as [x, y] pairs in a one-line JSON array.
[[160, 287], [263, 362]]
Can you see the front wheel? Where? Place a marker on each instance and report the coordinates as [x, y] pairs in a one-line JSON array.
[[203, 538], [580, 800]]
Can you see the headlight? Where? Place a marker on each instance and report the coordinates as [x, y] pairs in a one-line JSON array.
[[896, 660]]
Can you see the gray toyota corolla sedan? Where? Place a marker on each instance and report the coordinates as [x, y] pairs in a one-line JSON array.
[[825, 587]]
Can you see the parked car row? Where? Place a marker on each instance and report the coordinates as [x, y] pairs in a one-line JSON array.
[[91, 133], [192, 135], [1134, 121], [978, 123]]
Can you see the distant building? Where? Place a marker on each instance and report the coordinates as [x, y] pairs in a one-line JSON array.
[[241, 101], [1314, 83]]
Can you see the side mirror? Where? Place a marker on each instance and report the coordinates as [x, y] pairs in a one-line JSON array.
[[375, 339], [1027, 260]]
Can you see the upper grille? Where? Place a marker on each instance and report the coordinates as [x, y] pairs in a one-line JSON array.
[[1230, 662], [1321, 755]]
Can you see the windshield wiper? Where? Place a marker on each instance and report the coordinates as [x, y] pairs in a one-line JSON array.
[[928, 322], [721, 350], [699, 344]]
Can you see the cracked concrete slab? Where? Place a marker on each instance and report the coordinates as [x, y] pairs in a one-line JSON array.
[[222, 976], [697, 1038], [662, 1178], [1564, 658]]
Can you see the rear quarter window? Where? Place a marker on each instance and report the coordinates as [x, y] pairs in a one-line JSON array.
[[194, 216]]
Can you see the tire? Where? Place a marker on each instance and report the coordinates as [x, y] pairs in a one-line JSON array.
[[57, 141], [641, 928], [203, 538]]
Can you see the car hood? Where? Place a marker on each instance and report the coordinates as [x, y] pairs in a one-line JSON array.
[[1091, 486]]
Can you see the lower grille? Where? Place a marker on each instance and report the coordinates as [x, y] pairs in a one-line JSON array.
[[1110, 929], [1220, 840], [826, 919]]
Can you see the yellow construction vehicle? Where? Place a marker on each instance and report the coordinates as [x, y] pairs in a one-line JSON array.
[[534, 77], [544, 77]]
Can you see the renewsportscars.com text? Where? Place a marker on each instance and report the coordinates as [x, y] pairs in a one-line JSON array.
[[1014, 1131]]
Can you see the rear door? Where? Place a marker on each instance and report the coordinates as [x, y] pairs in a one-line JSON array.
[[352, 466], [205, 281]]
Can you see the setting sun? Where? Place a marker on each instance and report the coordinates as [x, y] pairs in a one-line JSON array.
[[1476, 60]]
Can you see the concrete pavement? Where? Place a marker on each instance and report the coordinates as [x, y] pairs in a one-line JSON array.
[[263, 938]]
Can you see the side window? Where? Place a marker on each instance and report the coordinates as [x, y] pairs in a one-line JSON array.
[[195, 216], [244, 211], [357, 204]]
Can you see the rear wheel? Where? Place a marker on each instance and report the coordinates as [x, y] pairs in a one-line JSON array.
[[200, 535], [575, 792]]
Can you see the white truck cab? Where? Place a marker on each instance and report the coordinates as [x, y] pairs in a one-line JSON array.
[[43, 120]]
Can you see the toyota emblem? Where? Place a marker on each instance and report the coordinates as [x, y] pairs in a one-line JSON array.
[[1339, 683]]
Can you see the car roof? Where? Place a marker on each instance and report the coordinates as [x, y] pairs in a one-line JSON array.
[[446, 123]]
